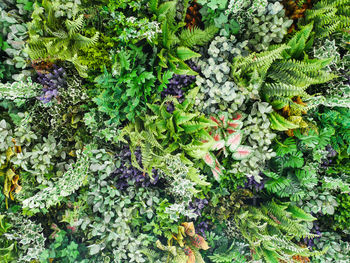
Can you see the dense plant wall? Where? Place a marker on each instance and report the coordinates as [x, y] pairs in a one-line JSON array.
[[175, 131]]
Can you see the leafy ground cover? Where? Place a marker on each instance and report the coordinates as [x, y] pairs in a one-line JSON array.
[[175, 131]]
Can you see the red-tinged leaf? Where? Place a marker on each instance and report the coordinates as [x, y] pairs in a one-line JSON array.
[[190, 254], [235, 124], [217, 171], [234, 141], [213, 119], [199, 242], [230, 131], [217, 137], [209, 159], [242, 152], [189, 228], [218, 145], [237, 117], [216, 174]]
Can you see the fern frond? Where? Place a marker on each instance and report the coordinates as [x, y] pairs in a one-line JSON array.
[[195, 36], [281, 89], [85, 42], [260, 61], [74, 26]]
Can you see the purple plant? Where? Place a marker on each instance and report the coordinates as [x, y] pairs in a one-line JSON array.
[[311, 241], [51, 83], [198, 205], [175, 85], [331, 153], [252, 184], [126, 173], [201, 228]]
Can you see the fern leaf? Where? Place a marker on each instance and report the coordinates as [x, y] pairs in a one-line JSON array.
[[74, 26], [194, 36]]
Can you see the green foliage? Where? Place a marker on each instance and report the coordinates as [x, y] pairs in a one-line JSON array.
[[161, 132], [125, 91], [268, 27], [28, 236], [329, 16], [171, 54], [284, 76], [70, 182], [64, 248], [342, 212], [13, 35], [292, 173], [57, 38], [266, 229], [195, 36], [338, 250], [19, 90], [339, 120]]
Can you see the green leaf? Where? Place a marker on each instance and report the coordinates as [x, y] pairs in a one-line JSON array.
[[300, 213], [184, 53]]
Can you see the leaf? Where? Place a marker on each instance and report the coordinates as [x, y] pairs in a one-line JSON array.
[[209, 159], [218, 145], [184, 53], [189, 228], [242, 152], [94, 249], [300, 213], [279, 123], [199, 242], [233, 141]]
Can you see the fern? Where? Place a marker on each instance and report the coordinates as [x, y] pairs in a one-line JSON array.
[[329, 16], [51, 37], [282, 89], [194, 36], [271, 228], [260, 61]]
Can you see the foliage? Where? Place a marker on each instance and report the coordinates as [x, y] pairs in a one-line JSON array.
[[259, 35], [28, 236], [264, 229], [125, 91], [342, 212], [329, 16], [160, 132], [56, 38], [190, 243], [172, 55], [64, 248], [174, 131]]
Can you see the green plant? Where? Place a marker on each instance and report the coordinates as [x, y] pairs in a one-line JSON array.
[[285, 76], [342, 212], [127, 89], [171, 55], [293, 172], [57, 38], [338, 119], [161, 132], [64, 248], [329, 16], [266, 229], [28, 235], [268, 27]]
